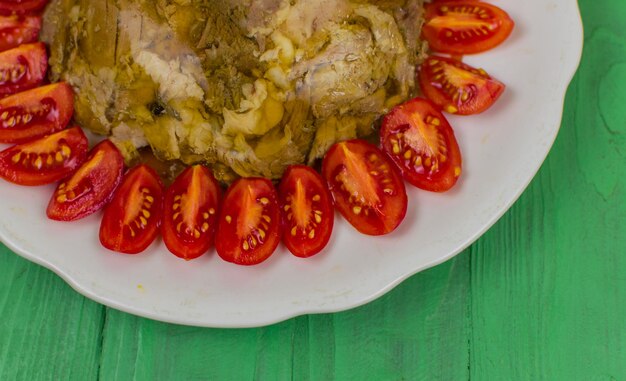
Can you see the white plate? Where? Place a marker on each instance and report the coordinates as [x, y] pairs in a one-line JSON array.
[[502, 148]]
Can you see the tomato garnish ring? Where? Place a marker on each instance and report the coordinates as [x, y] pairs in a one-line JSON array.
[[131, 221], [465, 27], [16, 30], [249, 222], [22, 68], [421, 143], [367, 190], [89, 188], [45, 160], [191, 209], [458, 88], [307, 211]]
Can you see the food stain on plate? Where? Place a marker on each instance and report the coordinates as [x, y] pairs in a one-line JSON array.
[[18, 211]]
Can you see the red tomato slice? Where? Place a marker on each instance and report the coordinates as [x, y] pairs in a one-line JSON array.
[[21, 6], [22, 68], [131, 221], [458, 88], [91, 187], [46, 160], [366, 187], [190, 213], [248, 230], [35, 113], [465, 27], [307, 211], [419, 139], [16, 30]]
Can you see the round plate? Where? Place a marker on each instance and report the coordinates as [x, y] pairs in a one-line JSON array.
[[502, 150]]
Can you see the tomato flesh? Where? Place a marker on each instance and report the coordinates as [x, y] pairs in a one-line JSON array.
[[307, 211], [458, 88], [34, 113], [420, 141], [21, 6], [365, 185], [248, 230], [91, 187], [131, 221], [22, 68], [16, 30], [190, 213], [46, 160], [465, 27]]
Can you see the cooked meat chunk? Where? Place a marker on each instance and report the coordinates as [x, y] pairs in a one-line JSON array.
[[250, 87]]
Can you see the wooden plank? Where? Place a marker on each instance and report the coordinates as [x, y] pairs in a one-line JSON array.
[[548, 283], [420, 331], [417, 332], [47, 330]]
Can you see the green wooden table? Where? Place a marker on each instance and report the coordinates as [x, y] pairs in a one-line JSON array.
[[542, 296]]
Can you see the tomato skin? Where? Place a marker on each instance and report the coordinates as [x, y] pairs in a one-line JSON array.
[[91, 187], [34, 113], [366, 187], [248, 230], [16, 30], [444, 79], [131, 221], [307, 211], [465, 27], [22, 68], [46, 160], [21, 6], [190, 213], [432, 168]]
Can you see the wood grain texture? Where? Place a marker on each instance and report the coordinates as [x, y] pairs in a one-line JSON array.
[[47, 330], [418, 332], [548, 283], [539, 297]]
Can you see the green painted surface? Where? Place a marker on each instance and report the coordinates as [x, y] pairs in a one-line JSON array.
[[540, 297]]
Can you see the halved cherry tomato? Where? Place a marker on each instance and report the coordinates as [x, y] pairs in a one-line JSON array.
[[366, 187], [419, 139], [16, 30], [190, 213], [22, 68], [35, 113], [307, 211], [45, 160], [91, 187], [465, 27], [21, 6], [131, 221], [458, 88], [248, 230]]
